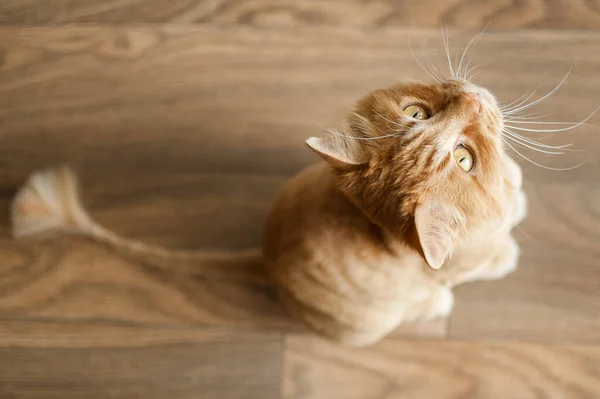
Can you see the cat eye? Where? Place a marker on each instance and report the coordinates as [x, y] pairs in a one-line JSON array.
[[464, 158], [416, 111]]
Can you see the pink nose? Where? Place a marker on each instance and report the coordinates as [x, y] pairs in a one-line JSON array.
[[472, 99]]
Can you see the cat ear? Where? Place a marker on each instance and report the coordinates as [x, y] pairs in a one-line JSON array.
[[437, 228], [347, 148], [339, 152]]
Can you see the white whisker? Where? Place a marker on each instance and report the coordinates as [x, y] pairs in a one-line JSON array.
[[526, 117], [518, 102], [538, 164], [539, 100], [356, 138], [427, 71], [468, 76], [556, 130], [524, 232], [474, 40], [505, 105], [539, 122], [524, 144], [544, 130], [388, 121], [531, 141], [466, 68], [537, 144], [447, 48], [549, 123], [430, 64]]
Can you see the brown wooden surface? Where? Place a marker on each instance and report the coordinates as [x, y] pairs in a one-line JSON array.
[[75, 360], [182, 135], [439, 369], [472, 14]]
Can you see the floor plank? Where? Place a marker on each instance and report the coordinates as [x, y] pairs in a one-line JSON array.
[[182, 137], [178, 99], [182, 133], [85, 360], [75, 280], [553, 296], [439, 369], [554, 14]]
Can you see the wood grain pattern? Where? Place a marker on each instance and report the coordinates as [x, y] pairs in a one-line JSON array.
[[555, 291], [68, 279], [472, 14], [439, 369], [72, 279], [84, 92], [74, 360], [182, 136]]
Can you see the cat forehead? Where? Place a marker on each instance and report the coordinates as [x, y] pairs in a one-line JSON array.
[[449, 95], [431, 92]]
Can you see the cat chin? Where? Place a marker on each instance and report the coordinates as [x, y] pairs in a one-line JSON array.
[[485, 97]]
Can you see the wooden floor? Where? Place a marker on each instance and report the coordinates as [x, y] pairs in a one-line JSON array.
[[183, 117]]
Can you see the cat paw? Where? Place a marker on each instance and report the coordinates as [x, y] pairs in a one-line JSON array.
[[503, 264], [515, 174], [520, 208], [440, 305]]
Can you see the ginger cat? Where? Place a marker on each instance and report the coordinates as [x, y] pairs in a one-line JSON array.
[[415, 195]]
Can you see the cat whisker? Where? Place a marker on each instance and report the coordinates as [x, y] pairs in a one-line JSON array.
[[539, 100], [533, 142], [539, 164], [468, 76], [549, 123], [530, 118], [546, 136], [335, 133], [523, 231], [460, 72], [388, 121], [434, 69], [447, 49], [505, 104], [524, 144], [511, 120], [466, 69], [526, 117], [430, 64], [426, 70], [571, 127], [536, 142], [473, 41], [518, 102]]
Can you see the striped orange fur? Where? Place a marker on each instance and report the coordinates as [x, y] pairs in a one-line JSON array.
[[354, 243]]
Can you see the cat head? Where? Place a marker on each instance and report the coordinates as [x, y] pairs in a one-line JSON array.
[[423, 161]]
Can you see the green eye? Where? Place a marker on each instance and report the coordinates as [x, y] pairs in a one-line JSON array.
[[416, 111], [464, 158]]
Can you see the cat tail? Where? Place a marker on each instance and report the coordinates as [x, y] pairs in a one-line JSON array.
[[49, 201]]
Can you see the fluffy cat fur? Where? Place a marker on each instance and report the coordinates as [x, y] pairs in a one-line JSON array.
[[376, 235]]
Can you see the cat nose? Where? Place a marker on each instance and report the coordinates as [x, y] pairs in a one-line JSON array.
[[472, 100]]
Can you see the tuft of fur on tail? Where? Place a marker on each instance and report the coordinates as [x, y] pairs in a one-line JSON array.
[[49, 200]]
